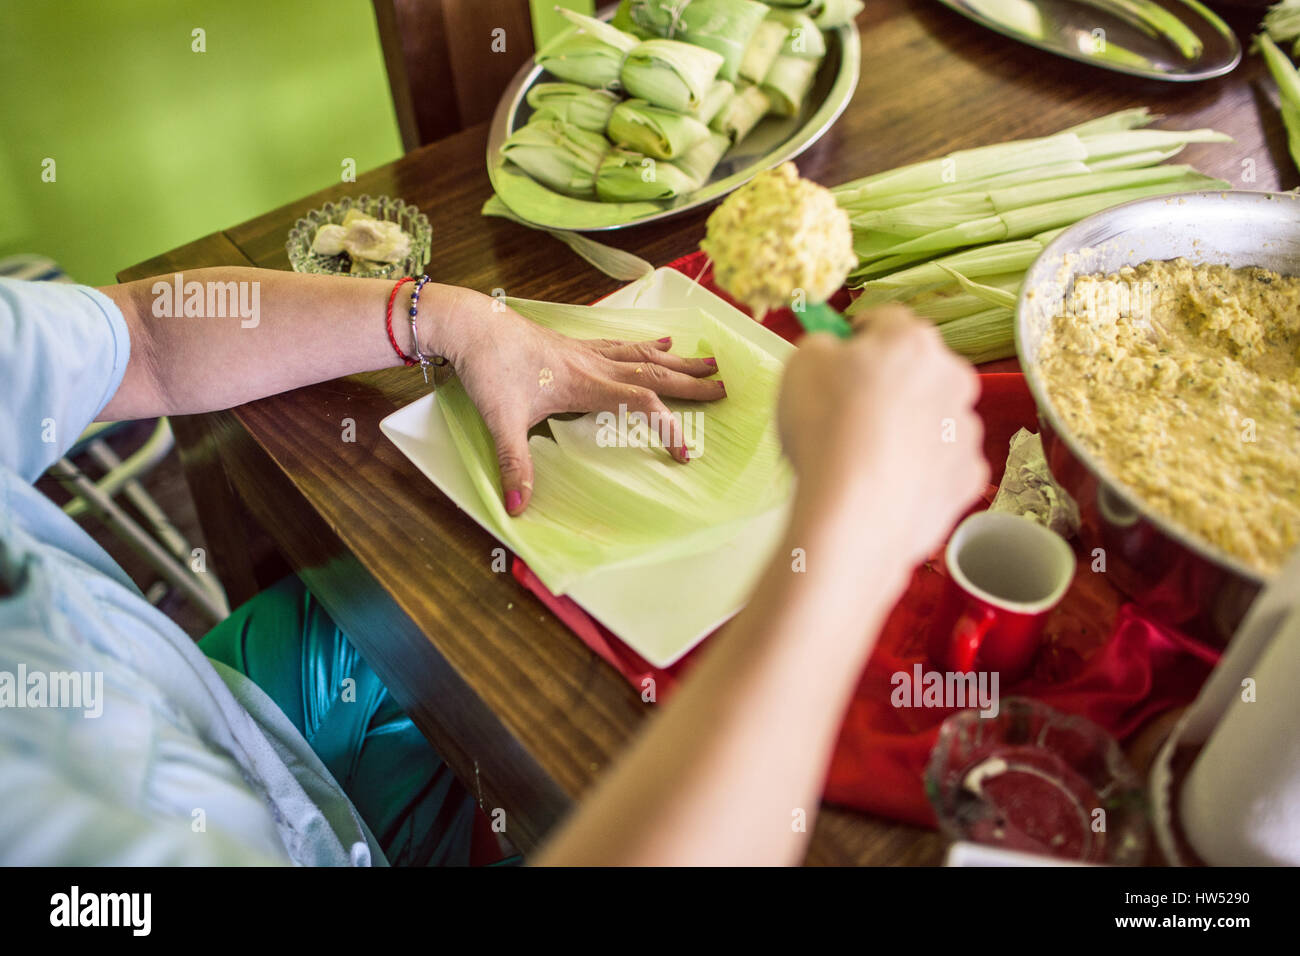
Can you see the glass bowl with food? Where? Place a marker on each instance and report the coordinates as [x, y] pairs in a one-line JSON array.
[[1035, 780], [366, 236]]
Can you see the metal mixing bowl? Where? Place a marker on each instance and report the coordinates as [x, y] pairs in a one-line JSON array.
[[1178, 577]]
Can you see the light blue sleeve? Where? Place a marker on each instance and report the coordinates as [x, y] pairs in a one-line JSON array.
[[63, 352]]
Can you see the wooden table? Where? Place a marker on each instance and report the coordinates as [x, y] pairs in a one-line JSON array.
[[525, 714]]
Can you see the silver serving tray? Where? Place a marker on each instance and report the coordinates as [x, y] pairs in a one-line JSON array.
[[773, 141], [1112, 35]]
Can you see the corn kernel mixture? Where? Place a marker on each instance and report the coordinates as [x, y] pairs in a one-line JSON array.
[[1183, 380]]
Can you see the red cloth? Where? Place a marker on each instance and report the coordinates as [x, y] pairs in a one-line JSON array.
[[1100, 657]]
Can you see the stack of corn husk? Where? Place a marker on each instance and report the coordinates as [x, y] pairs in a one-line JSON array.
[[953, 237]]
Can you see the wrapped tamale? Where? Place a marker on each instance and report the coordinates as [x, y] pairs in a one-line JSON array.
[[558, 155], [653, 130], [713, 101], [741, 113], [764, 47], [574, 104], [787, 83], [591, 53], [724, 26], [627, 176], [670, 73], [699, 161], [803, 38], [623, 20]]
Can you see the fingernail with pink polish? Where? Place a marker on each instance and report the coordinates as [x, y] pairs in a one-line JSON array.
[[513, 500], [722, 386], [666, 340], [711, 361], [686, 455]]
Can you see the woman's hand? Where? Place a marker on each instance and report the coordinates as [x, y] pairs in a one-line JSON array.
[[887, 417], [519, 373]]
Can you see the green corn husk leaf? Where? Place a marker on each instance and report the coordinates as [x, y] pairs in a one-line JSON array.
[[561, 157], [787, 83], [573, 104], [597, 507], [859, 204], [700, 160], [966, 166], [1288, 87], [723, 26], [929, 215], [670, 73], [983, 337], [653, 130], [615, 263], [952, 302], [591, 53], [991, 295], [1282, 21], [856, 205], [1105, 145], [763, 49], [633, 177], [1115, 122], [605, 32], [1149, 157], [829, 14], [987, 261], [984, 162], [1015, 223], [719, 93], [624, 21], [741, 113], [803, 38]]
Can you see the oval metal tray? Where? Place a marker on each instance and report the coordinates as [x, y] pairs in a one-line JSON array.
[[1126, 37], [773, 141]]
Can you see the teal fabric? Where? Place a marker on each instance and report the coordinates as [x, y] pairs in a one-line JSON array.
[[286, 643]]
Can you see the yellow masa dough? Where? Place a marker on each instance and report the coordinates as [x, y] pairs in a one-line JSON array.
[[1183, 380]]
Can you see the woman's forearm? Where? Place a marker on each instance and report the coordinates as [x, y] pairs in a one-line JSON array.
[[731, 772], [263, 331]]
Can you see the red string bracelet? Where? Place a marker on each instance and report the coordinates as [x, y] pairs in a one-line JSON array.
[[388, 323]]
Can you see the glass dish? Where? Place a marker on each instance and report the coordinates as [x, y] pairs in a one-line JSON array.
[[413, 222], [1036, 780]]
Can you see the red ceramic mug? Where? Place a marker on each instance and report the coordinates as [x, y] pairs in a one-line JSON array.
[[1005, 575]]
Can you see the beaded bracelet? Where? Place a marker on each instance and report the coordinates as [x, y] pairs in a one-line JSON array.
[[420, 358]]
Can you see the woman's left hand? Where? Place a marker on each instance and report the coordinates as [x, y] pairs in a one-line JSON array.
[[519, 373]]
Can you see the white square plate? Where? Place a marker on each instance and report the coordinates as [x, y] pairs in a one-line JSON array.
[[659, 610]]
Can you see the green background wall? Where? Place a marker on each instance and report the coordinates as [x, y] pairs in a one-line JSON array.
[[156, 145]]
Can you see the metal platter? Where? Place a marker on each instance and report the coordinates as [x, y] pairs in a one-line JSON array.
[[1175, 40]]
